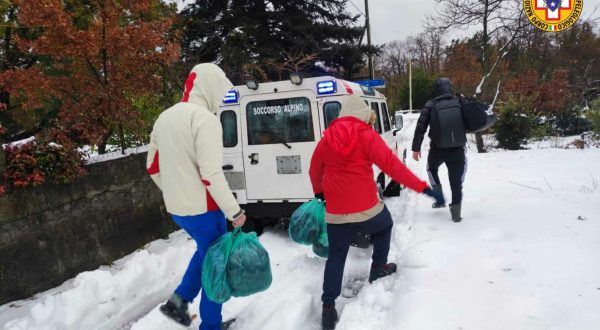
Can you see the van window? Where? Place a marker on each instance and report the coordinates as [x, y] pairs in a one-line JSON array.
[[229, 123], [331, 111], [279, 121], [386, 118], [375, 107]]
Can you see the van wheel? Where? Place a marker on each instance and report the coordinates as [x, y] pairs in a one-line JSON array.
[[393, 189], [251, 225]]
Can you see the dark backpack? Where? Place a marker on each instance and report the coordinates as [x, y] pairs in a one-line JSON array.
[[477, 116], [447, 128]]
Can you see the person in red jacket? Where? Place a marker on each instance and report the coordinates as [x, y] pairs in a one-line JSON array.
[[341, 171]]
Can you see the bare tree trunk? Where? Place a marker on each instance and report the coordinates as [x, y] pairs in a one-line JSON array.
[[484, 58], [104, 142], [479, 142], [2, 162], [122, 139]]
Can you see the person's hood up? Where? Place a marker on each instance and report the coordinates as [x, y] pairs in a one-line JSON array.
[[442, 86], [343, 134], [206, 86]]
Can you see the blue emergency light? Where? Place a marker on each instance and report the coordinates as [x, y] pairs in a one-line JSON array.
[[231, 97], [326, 87]]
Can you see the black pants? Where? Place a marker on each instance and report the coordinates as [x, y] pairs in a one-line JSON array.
[[340, 237], [456, 162]]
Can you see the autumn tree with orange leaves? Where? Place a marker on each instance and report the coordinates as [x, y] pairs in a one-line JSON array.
[[95, 66], [94, 58], [548, 96]]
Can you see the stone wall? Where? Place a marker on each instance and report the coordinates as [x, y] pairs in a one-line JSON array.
[[51, 233]]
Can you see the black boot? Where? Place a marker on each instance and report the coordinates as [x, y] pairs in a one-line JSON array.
[[438, 188], [455, 212], [329, 317], [177, 310], [225, 325], [381, 271]]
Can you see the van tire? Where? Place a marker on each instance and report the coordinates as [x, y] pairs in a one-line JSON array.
[[392, 190], [251, 225]]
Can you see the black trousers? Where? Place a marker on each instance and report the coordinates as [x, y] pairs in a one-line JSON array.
[[340, 237], [456, 162]]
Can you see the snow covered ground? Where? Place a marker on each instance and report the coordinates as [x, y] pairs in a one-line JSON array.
[[526, 256]]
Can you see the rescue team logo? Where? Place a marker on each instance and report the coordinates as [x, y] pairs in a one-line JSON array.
[[553, 15]]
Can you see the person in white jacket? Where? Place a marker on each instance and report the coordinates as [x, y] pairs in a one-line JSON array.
[[185, 160]]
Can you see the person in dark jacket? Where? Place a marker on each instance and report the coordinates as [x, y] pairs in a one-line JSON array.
[[341, 172], [454, 158]]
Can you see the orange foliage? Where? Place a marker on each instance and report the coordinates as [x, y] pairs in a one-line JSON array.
[[549, 96], [462, 68], [94, 72]]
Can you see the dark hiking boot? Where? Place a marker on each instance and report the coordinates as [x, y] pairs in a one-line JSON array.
[[381, 271], [455, 212], [329, 317], [225, 325], [438, 188], [177, 310]]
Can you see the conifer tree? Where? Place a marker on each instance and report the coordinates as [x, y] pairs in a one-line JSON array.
[[238, 32]]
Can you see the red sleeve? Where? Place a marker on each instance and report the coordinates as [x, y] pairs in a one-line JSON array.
[[316, 169], [380, 154]]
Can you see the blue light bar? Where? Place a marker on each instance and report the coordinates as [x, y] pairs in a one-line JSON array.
[[372, 83], [231, 97], [326, 87]]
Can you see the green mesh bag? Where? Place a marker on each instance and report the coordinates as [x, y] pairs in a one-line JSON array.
[[307, 222], [214, 273], [248, 267], [321, 246]]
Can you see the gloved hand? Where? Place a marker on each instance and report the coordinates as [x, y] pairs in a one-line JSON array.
[[438, 196], [320, 196]]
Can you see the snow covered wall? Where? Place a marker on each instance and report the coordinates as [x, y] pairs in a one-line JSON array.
[[51, 233]]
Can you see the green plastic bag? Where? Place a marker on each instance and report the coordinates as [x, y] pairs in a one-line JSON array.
[[248, 267], [308, 222], [237, 265], [321, 246], [214, 269]]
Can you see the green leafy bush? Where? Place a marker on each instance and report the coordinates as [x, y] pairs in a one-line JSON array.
[[571, 121], [515, 124], [594, 115]]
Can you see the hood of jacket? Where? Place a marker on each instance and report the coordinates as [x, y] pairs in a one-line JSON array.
[[442, 86], [343, 134], [206, 86]]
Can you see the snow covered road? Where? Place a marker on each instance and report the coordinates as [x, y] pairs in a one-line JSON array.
[[526, 256]]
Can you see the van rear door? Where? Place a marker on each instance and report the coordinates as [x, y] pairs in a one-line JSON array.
[[280, 134], [233, 164]]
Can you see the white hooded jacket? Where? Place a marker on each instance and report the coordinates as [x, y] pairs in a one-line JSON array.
[[185, 156]]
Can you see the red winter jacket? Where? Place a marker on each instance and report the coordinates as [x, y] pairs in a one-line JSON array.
[[342, 167]]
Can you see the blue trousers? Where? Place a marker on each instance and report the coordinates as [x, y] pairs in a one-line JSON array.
[[204, 229], [341, 236]]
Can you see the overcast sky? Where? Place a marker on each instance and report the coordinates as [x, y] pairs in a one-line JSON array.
[[396, 19]]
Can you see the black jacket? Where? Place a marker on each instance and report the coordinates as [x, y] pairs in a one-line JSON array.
[[442, 89]]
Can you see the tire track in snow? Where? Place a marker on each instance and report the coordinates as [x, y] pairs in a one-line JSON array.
[[372, 308]]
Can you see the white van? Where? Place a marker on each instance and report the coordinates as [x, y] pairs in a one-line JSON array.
[[270, 132]]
